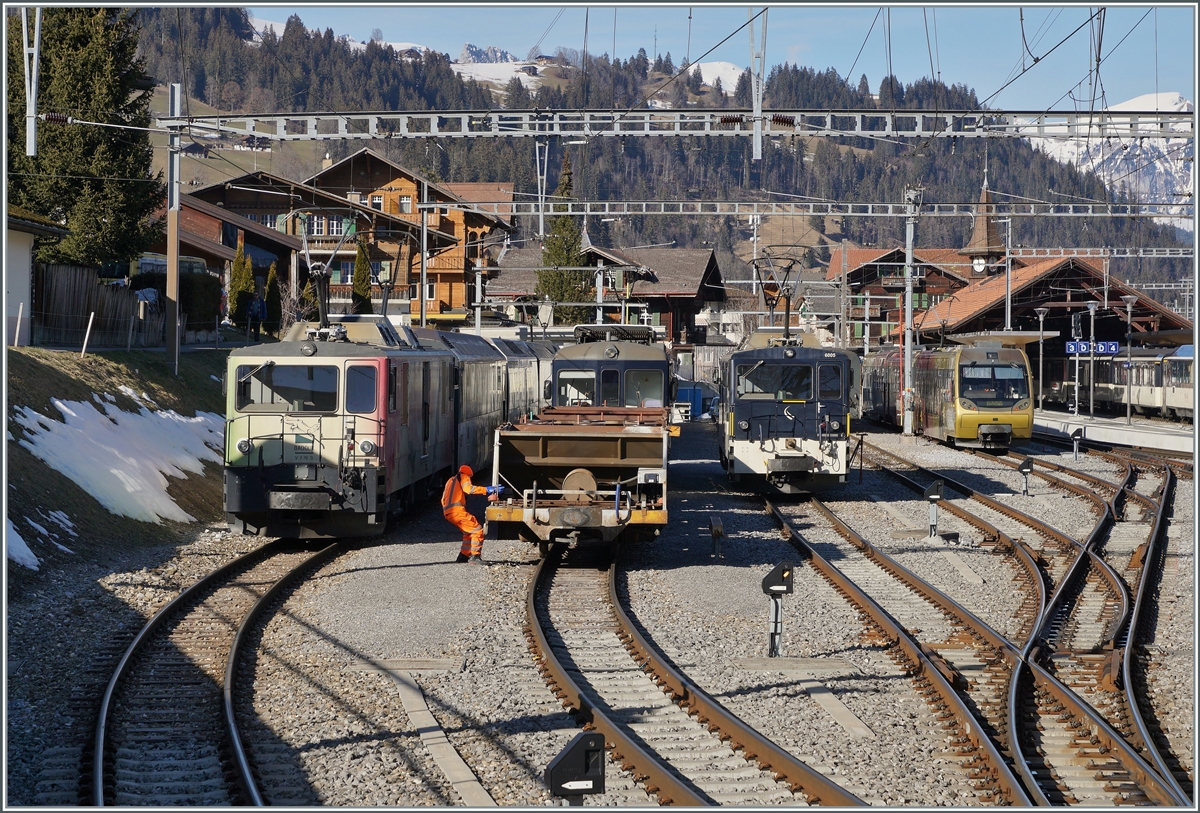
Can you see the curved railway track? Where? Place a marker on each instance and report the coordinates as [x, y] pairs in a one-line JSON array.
[[1112, 673], [685, 747], [1080, 639], [166, 733]]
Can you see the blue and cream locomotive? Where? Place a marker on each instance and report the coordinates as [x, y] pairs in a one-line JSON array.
[[785, 410]]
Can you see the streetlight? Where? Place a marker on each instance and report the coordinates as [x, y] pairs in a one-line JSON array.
[[1007, 274], [1129, 300], [1041, 313], [1091, 306]]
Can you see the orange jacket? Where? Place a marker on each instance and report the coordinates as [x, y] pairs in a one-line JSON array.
[[456, 491]]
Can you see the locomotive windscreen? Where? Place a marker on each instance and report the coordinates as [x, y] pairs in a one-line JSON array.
[[778, 382], [984, 382], [287, 388]]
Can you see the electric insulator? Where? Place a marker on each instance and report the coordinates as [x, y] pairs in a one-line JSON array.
[[56, 118], [785, 121], [732, 119]]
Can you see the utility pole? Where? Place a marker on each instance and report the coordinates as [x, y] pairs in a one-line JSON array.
[[542, 161], [31, 76], [845, 331], [599, 291], [1129, 301], [756, 78], [912, 200], [173, 195], [424, 246], [1092, 361], [1008, 274], [1041, 315]]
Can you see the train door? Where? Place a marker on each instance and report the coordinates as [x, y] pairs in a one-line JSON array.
[[610, 387]]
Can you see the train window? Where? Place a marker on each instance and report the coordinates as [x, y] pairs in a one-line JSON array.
[[829, 381], [610, 388], [643, 388], [360, 389], [286, 388], [391, 389], [404, 394], [576, 388], [775, 382]]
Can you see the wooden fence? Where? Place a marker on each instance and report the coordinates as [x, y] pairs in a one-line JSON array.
[[65, 297]]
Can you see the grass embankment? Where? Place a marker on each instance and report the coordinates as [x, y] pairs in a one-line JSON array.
[[35, 377]]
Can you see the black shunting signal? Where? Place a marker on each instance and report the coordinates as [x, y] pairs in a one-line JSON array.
[[779, 581], [578, 769]]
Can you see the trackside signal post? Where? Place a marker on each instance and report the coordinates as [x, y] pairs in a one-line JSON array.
[[776, 584], [1025, 467], [934, 495]]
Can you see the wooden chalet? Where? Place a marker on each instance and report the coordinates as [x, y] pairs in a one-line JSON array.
[[376, 184]]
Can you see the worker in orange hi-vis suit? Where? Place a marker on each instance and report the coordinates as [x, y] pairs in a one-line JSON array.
[[454, 508]]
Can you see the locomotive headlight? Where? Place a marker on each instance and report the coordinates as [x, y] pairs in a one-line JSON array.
[[1021, 406], [744, 426], [835, 425], [789, 353], [963, 403], [367, 447], [244, 445]]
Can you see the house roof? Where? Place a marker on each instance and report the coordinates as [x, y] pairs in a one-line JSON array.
[[23, 220], [670, 271], [972, 301], [266, 180], [441, 192], [969, 302], [220, 213]]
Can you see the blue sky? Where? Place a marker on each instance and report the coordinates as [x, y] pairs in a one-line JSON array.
[[1144, 49]]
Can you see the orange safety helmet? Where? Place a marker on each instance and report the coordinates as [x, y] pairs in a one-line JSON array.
[[465, 469]]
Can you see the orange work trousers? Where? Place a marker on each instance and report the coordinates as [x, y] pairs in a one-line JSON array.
[[472, 531]]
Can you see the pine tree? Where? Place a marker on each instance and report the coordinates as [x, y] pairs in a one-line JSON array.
[[241, 287], [360, 293], [562, 249], [274, 305], [95, 180]]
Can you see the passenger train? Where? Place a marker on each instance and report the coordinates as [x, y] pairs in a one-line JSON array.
[[351, 419], [974, 396], [785, 409], [1163, 382]]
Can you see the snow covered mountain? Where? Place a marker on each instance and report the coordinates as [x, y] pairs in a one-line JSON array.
[[1151, 170], [474, 54]]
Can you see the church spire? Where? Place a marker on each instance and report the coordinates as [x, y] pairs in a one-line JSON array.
[[985, 247]]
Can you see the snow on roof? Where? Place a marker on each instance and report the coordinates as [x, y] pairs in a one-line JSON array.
[[123, 459]]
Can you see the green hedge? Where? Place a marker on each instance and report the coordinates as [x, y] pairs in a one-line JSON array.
[[199, 296]]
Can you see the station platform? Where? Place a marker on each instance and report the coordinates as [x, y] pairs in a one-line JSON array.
[[1143, 433]]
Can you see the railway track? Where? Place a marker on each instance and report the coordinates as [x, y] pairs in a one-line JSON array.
[[167, 732], [685, 747], [1079, 643], [961, 666]]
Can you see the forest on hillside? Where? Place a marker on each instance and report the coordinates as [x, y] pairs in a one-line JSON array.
[[218, 58]]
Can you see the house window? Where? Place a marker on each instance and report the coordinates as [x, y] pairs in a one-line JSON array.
[[345, 272], [406, 204], [252, 217], [335, 227], [316, 225], [430, 291], [377, 202], [270, 221]]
